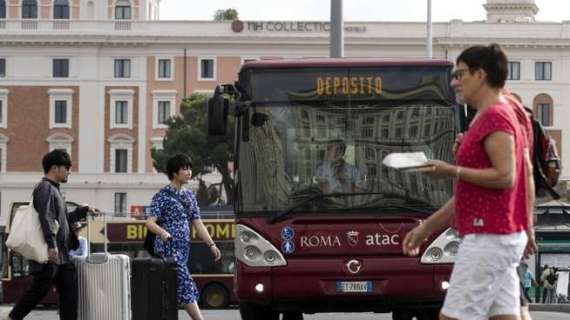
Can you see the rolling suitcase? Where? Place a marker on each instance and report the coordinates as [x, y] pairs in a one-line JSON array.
[[153, 289], [104, 284]]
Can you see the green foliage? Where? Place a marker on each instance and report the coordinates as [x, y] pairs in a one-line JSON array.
[[189, 135], [226, 15]]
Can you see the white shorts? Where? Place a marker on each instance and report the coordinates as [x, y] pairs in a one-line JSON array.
[[484, 281]]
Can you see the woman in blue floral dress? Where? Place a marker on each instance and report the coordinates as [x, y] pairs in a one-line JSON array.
[[172, 211]]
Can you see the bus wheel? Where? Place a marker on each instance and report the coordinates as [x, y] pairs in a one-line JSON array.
[[292, 316], [215, 296], [402, 315], [257, 312]]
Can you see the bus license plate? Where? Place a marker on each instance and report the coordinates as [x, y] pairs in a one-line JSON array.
[[354, 286]]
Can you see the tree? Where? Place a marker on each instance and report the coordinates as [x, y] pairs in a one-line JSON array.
[[189, 135], [226, 15]]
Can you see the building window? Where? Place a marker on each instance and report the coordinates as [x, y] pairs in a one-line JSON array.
[[3, 157], [60, 102], [543, 71], [121, 108], [120, 204], [543, 114], [164, 69], [121, 112], [2, 9], [164, 102], [514, 70], [120, 153], [29, 9], [60, 112], [121, 160], [123, 10], [207, 69], [163, 112], [60, 68], [2, 68], [61, 9], [3, 108], [122, 68]]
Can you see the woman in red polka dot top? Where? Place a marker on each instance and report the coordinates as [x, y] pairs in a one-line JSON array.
[[493, 197]]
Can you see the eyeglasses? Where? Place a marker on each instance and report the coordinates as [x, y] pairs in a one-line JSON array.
[[458, 74]]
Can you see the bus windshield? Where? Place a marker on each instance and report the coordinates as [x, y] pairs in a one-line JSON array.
[[309, 132]]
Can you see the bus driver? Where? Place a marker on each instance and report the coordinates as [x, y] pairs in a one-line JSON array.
[[334, 174]]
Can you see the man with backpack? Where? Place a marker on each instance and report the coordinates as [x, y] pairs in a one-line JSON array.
[[549, 279]]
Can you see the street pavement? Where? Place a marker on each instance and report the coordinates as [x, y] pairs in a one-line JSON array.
[[233, 314]]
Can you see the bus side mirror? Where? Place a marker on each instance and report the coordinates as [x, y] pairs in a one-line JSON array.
[[217, 114]]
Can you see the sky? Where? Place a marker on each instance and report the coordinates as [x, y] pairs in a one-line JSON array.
[[354, 10]]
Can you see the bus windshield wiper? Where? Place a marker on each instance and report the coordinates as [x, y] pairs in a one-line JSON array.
[[279, 216], [395, 206]]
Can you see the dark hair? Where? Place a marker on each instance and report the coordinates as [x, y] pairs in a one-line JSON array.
[[492, 59], [337, 142], [57, 158], [174, 164]]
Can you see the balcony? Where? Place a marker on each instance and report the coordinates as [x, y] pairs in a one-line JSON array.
[[141, 31]]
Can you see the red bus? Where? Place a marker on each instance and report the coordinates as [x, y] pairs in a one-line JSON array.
[[318, 227], [126, 236]]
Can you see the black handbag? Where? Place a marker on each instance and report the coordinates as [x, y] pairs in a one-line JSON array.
[[149, 242], [151, 236]]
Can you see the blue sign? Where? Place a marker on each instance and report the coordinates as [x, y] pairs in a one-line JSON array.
[[287, 233], [288, 247]]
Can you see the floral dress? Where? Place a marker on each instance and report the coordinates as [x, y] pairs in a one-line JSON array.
[[174, 211]]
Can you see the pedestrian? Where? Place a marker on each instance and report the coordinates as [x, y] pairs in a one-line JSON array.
[[527, 280], [491, 204], [59, 270], [550, 280], [172, 210], [545, 272]]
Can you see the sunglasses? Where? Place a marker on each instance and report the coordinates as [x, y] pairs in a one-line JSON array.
[[458, 74]]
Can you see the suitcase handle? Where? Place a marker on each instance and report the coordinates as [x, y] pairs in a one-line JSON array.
[[105, 240], [97, 258]]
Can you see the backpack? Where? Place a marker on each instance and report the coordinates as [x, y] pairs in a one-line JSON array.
[[551, 278], [546, 161]]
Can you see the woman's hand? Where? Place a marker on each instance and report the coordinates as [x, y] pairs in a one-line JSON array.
[[165, 236], [439, 169], [215, 252], [414, 239], [531, 247]]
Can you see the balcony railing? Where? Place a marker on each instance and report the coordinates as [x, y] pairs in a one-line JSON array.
[[29, 24], [61, 25], [553, 32]]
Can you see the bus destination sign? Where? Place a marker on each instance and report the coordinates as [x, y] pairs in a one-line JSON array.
[[349, 85]]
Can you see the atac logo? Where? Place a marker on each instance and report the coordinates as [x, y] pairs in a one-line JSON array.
[[352, 238]]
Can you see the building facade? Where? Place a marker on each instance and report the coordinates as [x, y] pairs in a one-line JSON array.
[[100, 78]]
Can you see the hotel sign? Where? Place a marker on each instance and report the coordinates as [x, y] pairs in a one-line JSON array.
[[289, 26]]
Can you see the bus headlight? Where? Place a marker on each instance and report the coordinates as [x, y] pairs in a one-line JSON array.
[[246, 237], [434, 254], [252, 253], [254, 250], [443, 249], [271, 256], [452, 248]]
